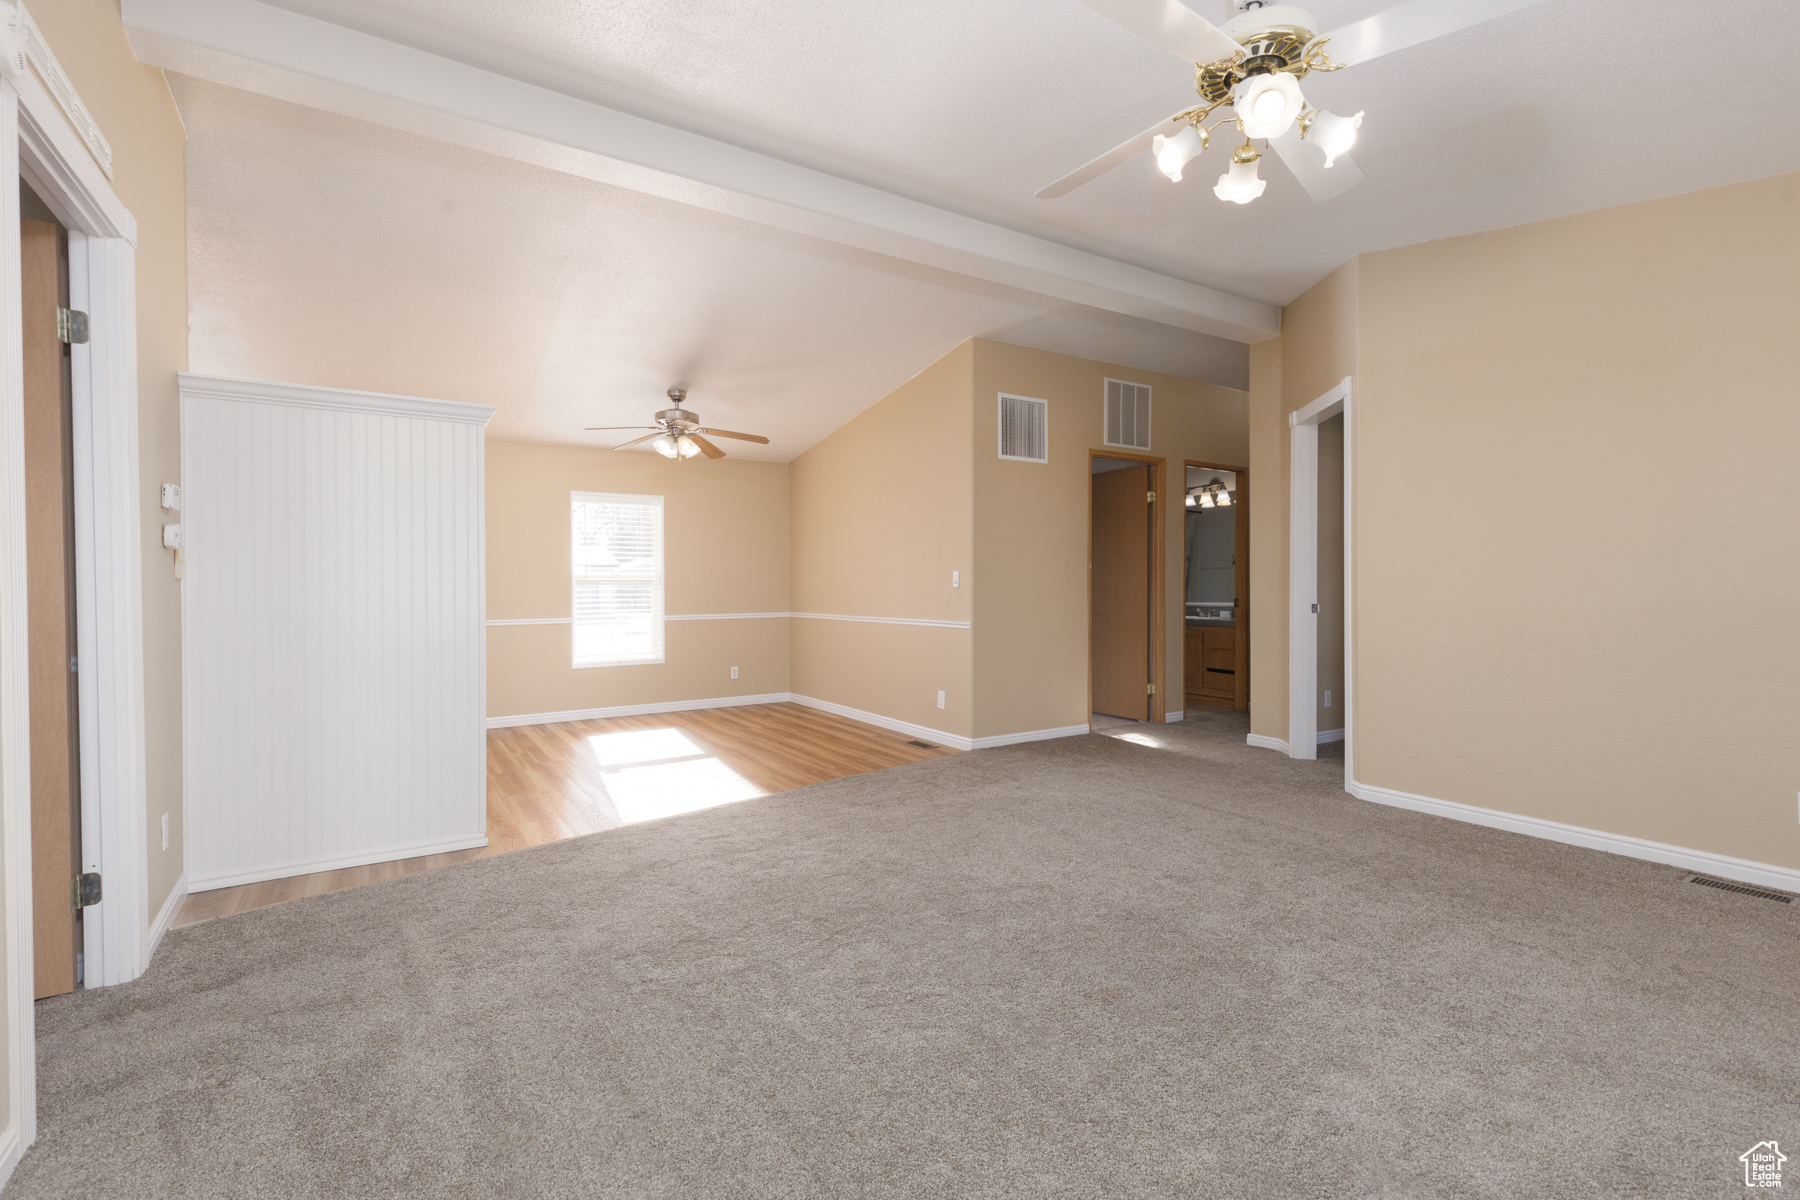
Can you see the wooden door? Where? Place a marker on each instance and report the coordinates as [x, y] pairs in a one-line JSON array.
[[49, 579], [1119, 627]]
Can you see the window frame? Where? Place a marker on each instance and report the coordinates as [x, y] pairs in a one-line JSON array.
[[657, 579]]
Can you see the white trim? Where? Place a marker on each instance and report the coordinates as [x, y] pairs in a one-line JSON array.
[[1303, 737], [1030, 735], [1785, 879], [540, 620], [882, 620], [725, 616], [312, 866], [923, 732], [1000, 399], [1169, 718], [12, 1149], [262, 391], [81, 122], [1328, 735], [165, 918], [632, 710], [1266, 742], [309, 61]]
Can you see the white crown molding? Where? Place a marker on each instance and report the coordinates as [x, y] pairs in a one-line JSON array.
[[36, 53], [255, 46], [214, 387], [1743, 870]]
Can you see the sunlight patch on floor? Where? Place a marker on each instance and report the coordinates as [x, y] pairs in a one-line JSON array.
[[654, 773]]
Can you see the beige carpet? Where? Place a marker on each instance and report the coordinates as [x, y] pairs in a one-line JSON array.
[[1080, 968]]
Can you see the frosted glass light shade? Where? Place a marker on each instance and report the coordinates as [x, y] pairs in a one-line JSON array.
[[687, 446], [1268, 104], [665, 446], [1224, 499], [1173, 153], [1333, 134], [1240, 184]]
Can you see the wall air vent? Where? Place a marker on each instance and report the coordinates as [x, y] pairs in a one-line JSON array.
[[1127, 414], [1740, 889], [1024, 429]]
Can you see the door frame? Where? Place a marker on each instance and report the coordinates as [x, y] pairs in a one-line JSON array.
[[1241, 550], [1159, 469], [48, 139], [1303, 575]]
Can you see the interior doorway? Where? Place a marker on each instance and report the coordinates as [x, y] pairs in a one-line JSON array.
[[1321, 629], [50, 605], [1216, 590], [1125, 586]]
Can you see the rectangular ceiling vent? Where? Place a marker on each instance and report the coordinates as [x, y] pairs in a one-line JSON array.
[[1127, 414], [1024, 429]]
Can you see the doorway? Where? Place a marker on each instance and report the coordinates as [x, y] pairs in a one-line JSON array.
[[1215, 627], [50, 604], [1321, 629], [1125, 586]]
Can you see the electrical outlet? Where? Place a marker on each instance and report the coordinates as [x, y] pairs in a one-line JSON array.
[[940, 699], [956, 579], [171, 537], [165, 831], [1327, 699], [171, 496], [734, 672]]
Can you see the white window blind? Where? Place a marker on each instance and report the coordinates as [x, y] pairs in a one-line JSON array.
[[617, 552]]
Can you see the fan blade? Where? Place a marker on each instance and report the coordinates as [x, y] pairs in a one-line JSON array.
[[646, 438], [742, 437], [592, 428], [706, 447], [1172, 25], [1307, 163], [1122, 153], [1411, 23]]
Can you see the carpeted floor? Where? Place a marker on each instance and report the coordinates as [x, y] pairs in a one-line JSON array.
[[1077, 968]]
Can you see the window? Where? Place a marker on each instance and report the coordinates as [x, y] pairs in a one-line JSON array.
[[617, 556]]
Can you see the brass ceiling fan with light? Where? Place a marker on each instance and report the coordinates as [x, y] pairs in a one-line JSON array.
[[1253, 65], [678, 433]]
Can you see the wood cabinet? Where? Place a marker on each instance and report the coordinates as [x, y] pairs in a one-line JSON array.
[[1211, 667]]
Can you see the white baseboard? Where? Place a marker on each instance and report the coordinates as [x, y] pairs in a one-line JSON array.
[[12, 1145], [165, 917], [632, 710], [1171, 718], [1266, 742], [1743, 870], [1034, 735], [1330, 735], [208, 883], [923, 732]]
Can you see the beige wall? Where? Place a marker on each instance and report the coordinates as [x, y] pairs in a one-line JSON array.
[[1575, 571], [725, 533], [132, 105], [1031, 527], [881, 517], [1316, 350]]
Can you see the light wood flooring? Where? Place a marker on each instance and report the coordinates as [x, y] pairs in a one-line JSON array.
[[549, 782]]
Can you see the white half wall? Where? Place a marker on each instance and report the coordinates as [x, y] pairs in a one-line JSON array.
[[333, 611]]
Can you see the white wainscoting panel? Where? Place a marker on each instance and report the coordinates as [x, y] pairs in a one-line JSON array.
[[333, 622]]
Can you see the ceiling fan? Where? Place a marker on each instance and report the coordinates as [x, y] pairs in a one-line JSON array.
[[1253, 64], [678, 433]]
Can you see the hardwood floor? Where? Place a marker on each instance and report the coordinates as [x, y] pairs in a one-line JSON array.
[[549, 782]]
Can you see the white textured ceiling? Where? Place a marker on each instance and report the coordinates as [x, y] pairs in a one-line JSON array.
[[1566, 106], [330, 251]]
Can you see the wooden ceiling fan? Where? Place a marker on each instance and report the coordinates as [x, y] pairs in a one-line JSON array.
[[678, 433]]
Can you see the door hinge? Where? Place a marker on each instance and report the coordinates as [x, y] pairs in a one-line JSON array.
[[74, 668], [1150, 689], [1149, 497], [84, 890], [71, 326]]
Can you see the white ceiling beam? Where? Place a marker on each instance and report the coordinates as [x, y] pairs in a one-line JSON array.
[[250, 45]]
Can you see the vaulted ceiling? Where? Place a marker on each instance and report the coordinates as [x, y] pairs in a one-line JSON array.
[[595, 244]]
